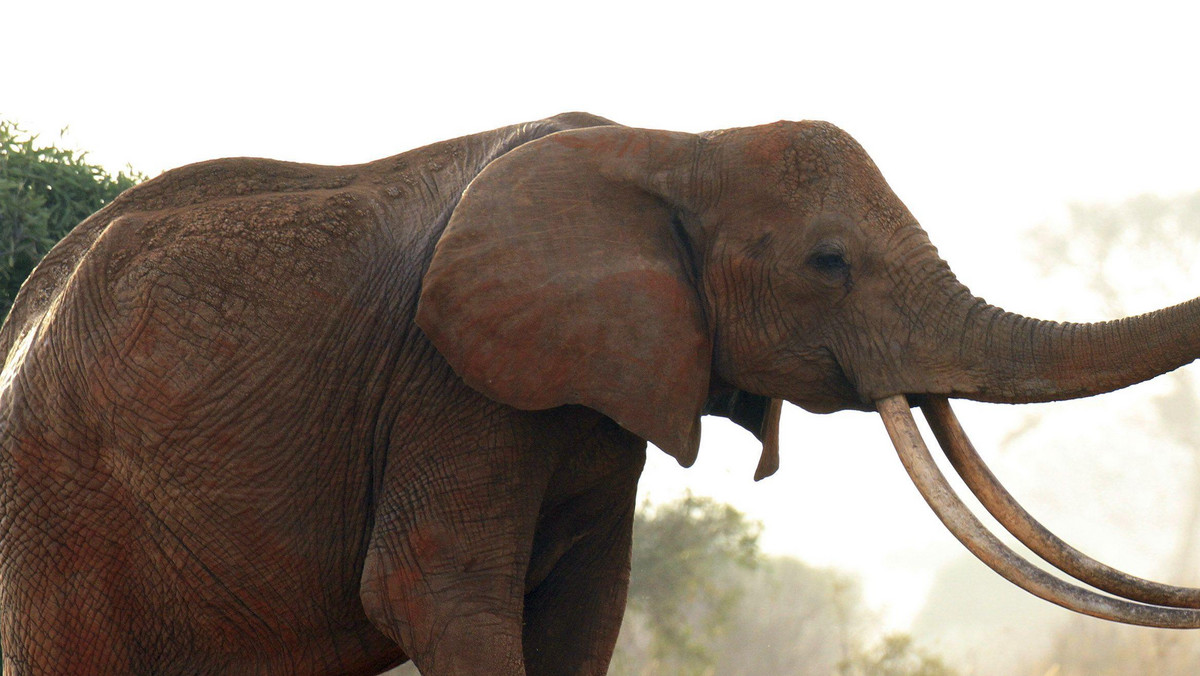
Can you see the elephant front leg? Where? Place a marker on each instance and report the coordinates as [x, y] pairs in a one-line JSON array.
[[573, 614], [579, 573], [447, 615], [445, 569]]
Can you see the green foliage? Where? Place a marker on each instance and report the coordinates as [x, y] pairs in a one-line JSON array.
[[704, 601], [895, 655], [793, 620], [44, 192], [684, 584]]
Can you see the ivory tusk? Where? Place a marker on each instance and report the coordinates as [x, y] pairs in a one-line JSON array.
[[768, 462], [983, 544], [1001, 504]]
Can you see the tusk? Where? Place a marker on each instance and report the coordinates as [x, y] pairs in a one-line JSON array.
[[1001, 504], [962, 523], [768, 462]]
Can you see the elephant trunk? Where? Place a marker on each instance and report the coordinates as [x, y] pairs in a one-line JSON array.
[[961, 346], [1014, 359]]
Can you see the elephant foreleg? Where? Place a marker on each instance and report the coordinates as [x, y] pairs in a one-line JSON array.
[[579, 574], [445, 570], [573, 616]]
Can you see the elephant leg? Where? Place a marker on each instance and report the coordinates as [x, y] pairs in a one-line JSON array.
[[573, 616], [445, 569], [579, 575]]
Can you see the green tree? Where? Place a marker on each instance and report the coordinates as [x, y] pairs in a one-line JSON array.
[[793, 620], [44, 192], [895, 655], [684, 585], [704, 601]]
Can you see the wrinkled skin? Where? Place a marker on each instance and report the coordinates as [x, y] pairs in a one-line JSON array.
[[261, 417]]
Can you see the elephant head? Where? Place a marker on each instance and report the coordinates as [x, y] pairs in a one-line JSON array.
[[655, 276]]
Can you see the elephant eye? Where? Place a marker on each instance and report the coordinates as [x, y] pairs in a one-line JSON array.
[[829, 260]]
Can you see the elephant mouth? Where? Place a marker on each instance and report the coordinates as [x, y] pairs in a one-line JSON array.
[[833, 389], [1128, 599]]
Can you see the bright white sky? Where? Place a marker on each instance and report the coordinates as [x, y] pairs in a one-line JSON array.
[[986, 119]]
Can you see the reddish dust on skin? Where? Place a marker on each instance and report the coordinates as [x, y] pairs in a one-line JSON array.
[[395, 583], [428, 542], [766, 148], [508, 334], [604, 141], [429, 552], [403, 586], [669, 317], [665, 353]]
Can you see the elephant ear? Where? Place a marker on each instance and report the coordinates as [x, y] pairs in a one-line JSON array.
[[563, 278]]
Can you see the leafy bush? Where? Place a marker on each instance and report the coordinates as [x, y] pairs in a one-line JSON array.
[[44, 192]]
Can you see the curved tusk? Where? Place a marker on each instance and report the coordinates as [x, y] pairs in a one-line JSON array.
[[1001, 504], [958, 519]]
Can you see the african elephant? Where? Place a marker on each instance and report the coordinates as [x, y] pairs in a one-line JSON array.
[[265, 417]]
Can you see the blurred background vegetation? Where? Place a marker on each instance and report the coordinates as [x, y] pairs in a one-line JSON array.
[[704, 600]]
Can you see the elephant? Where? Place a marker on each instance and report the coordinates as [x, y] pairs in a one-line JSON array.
[[269, 417]]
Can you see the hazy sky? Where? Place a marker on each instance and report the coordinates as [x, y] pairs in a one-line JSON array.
[[986, 119]]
